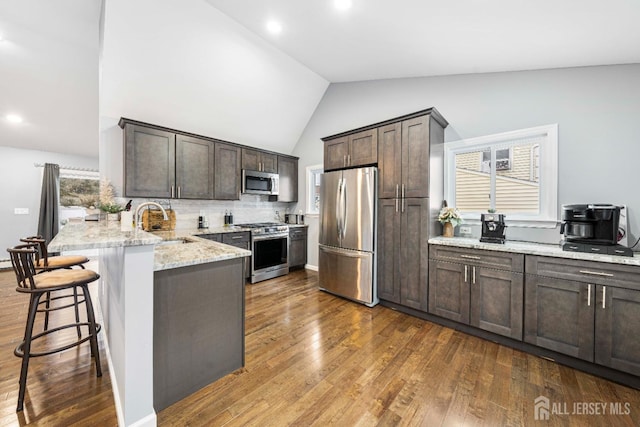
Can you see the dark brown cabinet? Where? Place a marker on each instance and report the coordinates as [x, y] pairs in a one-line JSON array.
[[257, 160], [227, 172], [403, 230], [588, 310], [481, 288], [405, 155], [168, 165], [297, 247], [358, 149], [288, 179], [149, 162], [240, 239]]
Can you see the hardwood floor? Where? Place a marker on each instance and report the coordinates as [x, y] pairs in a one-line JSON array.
[[315, 359]]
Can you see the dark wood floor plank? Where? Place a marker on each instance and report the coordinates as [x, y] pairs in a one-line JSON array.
[[313, 359]]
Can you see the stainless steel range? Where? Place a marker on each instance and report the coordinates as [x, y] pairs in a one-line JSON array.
[[270, 250]]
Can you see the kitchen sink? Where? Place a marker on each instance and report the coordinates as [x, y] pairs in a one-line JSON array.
[[179, 241]]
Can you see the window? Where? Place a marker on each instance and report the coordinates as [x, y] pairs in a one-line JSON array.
[[514, 173], [313, 189], [79, 191]]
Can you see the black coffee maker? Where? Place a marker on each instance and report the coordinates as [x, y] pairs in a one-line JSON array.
[[592, 228], [493, 228]]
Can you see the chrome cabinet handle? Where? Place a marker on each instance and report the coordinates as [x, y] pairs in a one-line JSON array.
[[397, 205], [349, 159], [236, 237], [403, 191], [470, 257], [604, 295], [474, 274], [588, 295], [179, 191], [172, 187], [596, 273], [397, 191], [465, 273]]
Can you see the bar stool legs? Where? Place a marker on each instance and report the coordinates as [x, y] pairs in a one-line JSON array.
[[24, 349]]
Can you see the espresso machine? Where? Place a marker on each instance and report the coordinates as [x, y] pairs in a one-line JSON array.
[[493, 228], [592, 228]]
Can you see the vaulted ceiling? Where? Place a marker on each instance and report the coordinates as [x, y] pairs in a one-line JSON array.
[[49, 56]]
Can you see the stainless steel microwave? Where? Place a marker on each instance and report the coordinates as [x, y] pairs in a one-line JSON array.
[[254, 182]]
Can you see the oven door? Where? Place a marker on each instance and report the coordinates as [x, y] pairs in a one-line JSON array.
[[270, 256]]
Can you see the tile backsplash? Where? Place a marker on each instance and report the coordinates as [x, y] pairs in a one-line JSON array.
[[250, 208]]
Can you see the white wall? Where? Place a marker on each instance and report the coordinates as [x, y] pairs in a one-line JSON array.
[[185, 65], [20, 187], [596, 108]]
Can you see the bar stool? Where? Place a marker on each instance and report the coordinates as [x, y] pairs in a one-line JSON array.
[[44, 262], [36, 285]]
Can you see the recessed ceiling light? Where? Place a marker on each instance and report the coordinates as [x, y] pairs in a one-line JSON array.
[[14, 118], [342, 4], [274, 27]]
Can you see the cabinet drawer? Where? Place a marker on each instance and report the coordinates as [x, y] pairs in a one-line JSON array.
[[297, 233], [484, 258], [217, 237], [594, 272], [240, 239]]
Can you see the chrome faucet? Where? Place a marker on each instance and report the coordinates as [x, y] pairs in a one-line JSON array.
[[137, 213]]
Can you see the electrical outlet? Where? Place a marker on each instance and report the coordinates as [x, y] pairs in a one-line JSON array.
[[21, 211], [465, 230]]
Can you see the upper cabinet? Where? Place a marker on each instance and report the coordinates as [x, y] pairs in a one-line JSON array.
[[358, 149], [261, 161], [149, 162], [405, 156], [167, 165], [288, 179], [227, 172]]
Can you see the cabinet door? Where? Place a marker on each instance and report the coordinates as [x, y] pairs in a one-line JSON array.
[[414, 253], [194, 168], [415, 157], [297, 247], [363, 148], [388, 252], [617, 326], [449, 290], [335, 153], [250, 159], [559, 315], [288, 173], [390, 161], [150, 162], [269, 162], [227, 172], [497, 301]]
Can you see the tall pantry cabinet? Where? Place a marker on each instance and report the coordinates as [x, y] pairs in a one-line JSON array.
[[408, 151]]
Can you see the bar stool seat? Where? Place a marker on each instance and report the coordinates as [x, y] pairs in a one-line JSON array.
[[61, 261], [39, 284]]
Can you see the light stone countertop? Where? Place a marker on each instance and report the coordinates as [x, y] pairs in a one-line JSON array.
[[98, 234], [191, 250], [103, 234], [531, 248]]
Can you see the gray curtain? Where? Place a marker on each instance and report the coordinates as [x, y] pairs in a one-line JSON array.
[[49, 202]]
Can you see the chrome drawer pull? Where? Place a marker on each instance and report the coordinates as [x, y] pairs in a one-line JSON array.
[[237, 237], [604, 295], [474, 274], [588, 295], [470, 257], [465, 273], [596, 273]]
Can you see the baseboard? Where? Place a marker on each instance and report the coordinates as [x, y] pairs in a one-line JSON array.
[[147, 421], [311, 267]]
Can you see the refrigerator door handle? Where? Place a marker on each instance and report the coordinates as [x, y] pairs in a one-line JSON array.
[[338, 208], [344, 208]]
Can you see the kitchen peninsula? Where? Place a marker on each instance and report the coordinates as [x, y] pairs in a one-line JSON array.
[[146, 281]]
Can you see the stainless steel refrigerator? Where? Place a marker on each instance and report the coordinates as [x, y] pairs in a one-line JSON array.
[[347, 234]]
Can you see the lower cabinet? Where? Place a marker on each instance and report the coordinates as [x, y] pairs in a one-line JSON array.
[[297, 247], [595, 318], [402, 253], [241, 239], [478, 288]]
